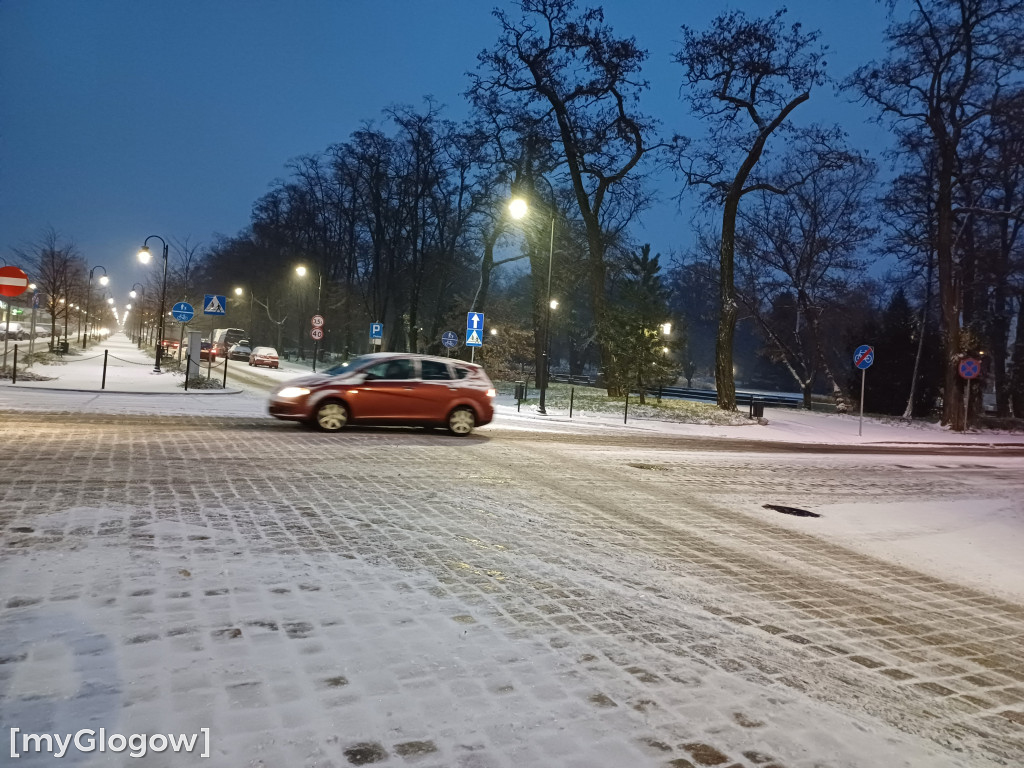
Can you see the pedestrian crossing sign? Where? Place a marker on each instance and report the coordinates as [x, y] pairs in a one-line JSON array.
[[214, 305], [473, 339]]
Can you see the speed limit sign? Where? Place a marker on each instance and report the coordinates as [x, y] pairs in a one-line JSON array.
[[318, 322], [317, 333]]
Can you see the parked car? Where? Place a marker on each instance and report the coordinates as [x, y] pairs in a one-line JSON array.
[[170, 346], [16, 332], [391, 389], [205, 351], [240, 351], [263, 356]]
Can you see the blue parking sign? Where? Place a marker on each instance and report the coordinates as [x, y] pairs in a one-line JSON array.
[[376, 330]]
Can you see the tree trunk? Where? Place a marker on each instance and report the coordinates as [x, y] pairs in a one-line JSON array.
[[949, 297], [1017, 375], [728, 310], [908, 412]]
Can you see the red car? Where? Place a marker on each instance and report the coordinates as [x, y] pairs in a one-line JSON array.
[[263, 356], [389, 388]]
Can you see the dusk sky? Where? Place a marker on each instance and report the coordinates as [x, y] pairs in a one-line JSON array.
[[125, 118]]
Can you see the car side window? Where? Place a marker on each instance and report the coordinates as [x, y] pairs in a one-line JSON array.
[[434, 370], [391, 370], [461, 373]]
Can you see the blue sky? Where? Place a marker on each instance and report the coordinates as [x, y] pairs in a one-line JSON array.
[[125, 118]]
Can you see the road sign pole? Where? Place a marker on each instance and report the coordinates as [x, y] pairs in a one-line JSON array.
[[863, 375], [32, 329], [967, 402], [7, 331]]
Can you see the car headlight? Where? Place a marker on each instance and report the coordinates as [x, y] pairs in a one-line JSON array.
[[293, 392]]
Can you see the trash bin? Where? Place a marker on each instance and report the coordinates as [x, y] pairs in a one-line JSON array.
[[756, 408], [520, 390]]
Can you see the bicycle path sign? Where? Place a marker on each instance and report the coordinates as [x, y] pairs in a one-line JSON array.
[[182, 312]]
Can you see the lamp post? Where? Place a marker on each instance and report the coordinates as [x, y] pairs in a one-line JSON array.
[[518, 208], [141, 306], [144, 256], [238, 292], [301, 272], [88, 295]]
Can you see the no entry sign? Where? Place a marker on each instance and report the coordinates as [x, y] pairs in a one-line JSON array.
[[13, 282]]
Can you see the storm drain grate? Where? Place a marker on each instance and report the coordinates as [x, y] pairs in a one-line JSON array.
[[791, 511]]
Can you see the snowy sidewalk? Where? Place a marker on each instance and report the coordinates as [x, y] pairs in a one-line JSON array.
[[129, 370]]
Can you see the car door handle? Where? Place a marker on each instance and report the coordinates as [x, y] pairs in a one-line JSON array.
[[409, 387]]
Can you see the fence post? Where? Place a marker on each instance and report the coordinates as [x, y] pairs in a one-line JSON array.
[[103, 384], [625, 415], [14, 371], [572, 393], [224, 384]]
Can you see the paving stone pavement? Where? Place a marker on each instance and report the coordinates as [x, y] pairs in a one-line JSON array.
[[399, 597]]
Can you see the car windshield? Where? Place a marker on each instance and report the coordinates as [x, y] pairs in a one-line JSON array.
[[349, 366]]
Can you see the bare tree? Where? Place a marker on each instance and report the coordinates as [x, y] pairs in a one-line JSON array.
[[950, 63], [58, 270], [807, 246], [746, 77], [570, 77]]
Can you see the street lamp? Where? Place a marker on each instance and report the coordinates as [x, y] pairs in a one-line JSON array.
[[142, 305], [518, 208], [144, 256], [240, 292], [88, 295], [301, 272]]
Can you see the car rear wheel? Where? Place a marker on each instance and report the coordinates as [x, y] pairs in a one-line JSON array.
[[331, 416], [461, 421]]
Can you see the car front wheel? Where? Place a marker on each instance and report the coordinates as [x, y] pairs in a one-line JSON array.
[[461, 421], [331, 416]]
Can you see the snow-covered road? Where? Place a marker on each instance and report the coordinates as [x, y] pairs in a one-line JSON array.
[[579, 596]]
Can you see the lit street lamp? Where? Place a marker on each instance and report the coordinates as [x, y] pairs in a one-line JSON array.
[[239, 292], [88, 295], [301, 272], [518, 208], [142, 306], [144, 256]]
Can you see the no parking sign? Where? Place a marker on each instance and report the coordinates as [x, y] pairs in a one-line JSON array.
[[970, 368]]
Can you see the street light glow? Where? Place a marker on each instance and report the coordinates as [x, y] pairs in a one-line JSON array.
[[666, 328], [104, 280], [110, 301], [238, 291], [300, 271], [144, 254], [517, 208], [554, 303], [133, 294]]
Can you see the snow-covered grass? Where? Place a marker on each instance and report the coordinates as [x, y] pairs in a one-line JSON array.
[[591, 400]]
